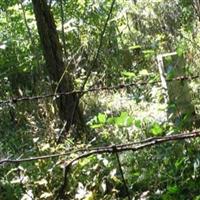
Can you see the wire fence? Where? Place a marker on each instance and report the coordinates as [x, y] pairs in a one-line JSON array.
[[107, 149], [111, 149], [115, 149], [14, 100], [86, 152], [90, 151]]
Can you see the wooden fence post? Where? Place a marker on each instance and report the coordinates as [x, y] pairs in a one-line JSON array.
[[176, 93]]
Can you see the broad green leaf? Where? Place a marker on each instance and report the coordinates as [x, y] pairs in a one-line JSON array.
[[129, 121], [197, 197], [124, 120], [148, 53], [121, 119], [111, 120], [101, 118], [136, 174], [182, 48], [156, 129]]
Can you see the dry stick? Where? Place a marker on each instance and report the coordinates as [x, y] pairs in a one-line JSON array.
[[61, 191], [93, 64], [116, 87], [31, 39], [63, 30], [30, 159], [26, 24], [122, 175], [66, 69], [134, 146]]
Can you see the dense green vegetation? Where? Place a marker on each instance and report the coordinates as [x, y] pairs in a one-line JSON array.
[[98, 43]]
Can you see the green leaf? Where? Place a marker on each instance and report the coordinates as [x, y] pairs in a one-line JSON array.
[[197, 197], [138, 123], [128, 74], [148, 52], [182, 48], [124, 120], [135, 47], [102, 118], [129, 121], [171, 72], [96, 126], [136, 174], [111, 120], [179, 162], [156, 129], [121, 119], [172, 189]]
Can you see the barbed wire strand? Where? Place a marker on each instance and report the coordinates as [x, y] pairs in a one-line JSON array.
[[15, 100], [133, 146]]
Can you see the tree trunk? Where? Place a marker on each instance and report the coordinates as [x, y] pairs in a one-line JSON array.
[[67, 105]]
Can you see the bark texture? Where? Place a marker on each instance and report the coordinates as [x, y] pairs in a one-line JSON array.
[[67, 105]]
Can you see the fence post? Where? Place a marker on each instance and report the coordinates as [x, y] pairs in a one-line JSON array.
[[176, 93]]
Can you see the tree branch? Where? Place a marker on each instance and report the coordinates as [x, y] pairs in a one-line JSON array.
[[93, 64], [122, 175]]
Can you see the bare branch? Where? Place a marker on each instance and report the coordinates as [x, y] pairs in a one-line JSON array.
[[94, 62], [122, 175]]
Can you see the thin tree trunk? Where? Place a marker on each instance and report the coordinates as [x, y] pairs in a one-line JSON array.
[[67, 105]]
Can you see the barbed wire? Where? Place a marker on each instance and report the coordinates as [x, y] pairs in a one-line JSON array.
[[133, 146], [15, 100]]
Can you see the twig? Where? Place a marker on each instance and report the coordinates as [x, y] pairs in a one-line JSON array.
[[31, 39], [63, 30], [93, 64], [122, 175], [67, 69], [61, 192]]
